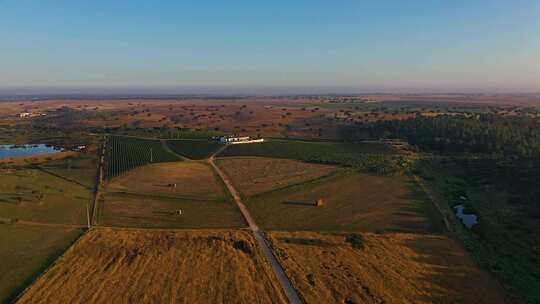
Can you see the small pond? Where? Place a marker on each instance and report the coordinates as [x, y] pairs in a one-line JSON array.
[[469, 220], [8, 151]]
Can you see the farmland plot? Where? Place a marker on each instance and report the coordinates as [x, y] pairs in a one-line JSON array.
[[253, 175], [388, 268], [26, 251], [126, 153], [351, 202], [122, 266]]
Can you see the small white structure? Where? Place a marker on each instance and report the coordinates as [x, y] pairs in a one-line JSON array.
[[234, 140], [29, 114]]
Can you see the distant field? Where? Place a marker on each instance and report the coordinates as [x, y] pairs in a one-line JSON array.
[[35, 195], [192, 179], [194, 149], [391, 268], [81, 168], [126, 153], [125, 210], [26, 251], [302, 150], [352, 202], [369, 157], [122, 266], [252, 175], [143, 197]]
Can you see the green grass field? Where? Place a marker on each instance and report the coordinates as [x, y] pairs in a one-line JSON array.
[[126, 153], [352, 202], [26, 251], [301, 150], [369, 157], [194, 149], [127, 210], [80, 169], [35, 195]]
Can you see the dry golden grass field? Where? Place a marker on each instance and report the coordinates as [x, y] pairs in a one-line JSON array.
[[391, 268], [253, 175], [143, 198], [127, 266], [352, 202], [192, 179], [125, 210]]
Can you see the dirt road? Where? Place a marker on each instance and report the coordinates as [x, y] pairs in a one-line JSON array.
[[289, 289]]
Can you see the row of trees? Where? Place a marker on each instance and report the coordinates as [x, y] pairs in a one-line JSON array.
[[126, 153], [483, 133]]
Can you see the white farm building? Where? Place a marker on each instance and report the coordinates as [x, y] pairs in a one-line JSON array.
[[234, 140]]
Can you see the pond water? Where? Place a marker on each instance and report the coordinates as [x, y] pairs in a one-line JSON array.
[[467, 219], [8, 151]]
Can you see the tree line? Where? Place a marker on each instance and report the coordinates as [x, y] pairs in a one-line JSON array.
[[482, 133]]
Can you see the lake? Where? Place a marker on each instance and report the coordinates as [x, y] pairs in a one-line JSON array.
[[467, 219], [8, 151]]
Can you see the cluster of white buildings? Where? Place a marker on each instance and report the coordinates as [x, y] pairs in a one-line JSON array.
[[29, 114], [234, 140]]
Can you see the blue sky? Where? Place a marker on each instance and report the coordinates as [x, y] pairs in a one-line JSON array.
[[274, 46]]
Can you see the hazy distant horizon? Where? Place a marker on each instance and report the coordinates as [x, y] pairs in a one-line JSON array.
[[237, 91]]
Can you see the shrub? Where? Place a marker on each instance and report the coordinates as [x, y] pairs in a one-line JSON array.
[[356, 240]]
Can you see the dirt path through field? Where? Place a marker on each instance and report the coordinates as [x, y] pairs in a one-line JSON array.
[[447, 217], [99, 179], [286, 284]]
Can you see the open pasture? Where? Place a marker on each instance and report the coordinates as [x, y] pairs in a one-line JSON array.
[[37, 196], [80, 168], [192, 180], [390, 268], [253, 175], [127, 210], [351, 202], [26, 251], [146, 197], [122, 266]]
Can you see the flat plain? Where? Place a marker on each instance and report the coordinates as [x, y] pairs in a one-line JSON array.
[[192, 179], [390, 268], [35, 195], [145, 197], [253, 175], [123, 266], [352, 201], [31, 249]]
